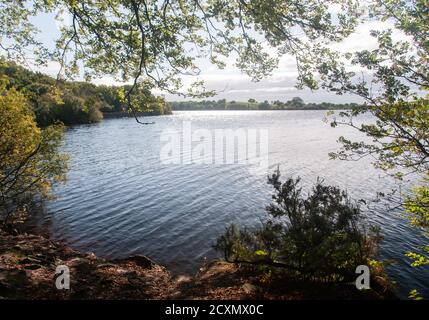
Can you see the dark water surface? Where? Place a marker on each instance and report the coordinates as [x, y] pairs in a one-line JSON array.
[[121, 199]]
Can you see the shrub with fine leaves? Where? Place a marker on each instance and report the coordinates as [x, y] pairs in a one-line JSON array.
[[316, 235]]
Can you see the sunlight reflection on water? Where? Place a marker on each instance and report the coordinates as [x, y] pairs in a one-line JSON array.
[[121, 200]]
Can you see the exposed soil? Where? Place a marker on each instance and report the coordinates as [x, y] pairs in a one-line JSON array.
[[28, 264]]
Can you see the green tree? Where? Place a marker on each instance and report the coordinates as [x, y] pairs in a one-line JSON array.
[[29, 158], [296, 103], [264, 105], [75, 102]]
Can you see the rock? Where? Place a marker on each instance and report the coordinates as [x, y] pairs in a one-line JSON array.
[[141, 261], [249, 288], [76, 262]]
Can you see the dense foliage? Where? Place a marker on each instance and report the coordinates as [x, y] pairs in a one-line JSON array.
[[318, 236], [392, 79], [29, 158], [75, 102], [293, 104]]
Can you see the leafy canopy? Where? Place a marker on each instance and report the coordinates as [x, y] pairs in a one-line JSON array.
[[158, 42]]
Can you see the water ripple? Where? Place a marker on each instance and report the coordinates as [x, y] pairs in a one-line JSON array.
[[120, 199]]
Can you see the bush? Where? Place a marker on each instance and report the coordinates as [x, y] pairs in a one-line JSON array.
[[317, 236]]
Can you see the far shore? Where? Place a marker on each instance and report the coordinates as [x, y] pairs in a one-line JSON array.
[[301, 109]]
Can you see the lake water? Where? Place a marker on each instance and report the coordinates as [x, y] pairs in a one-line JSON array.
[[123, 197]]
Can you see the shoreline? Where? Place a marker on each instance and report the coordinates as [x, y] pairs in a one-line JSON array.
[[125, 114], [303, 109], [28, 264]]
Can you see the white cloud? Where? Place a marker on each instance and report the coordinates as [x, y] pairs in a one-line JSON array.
[[51, 68], [107, 80], [271, 89]]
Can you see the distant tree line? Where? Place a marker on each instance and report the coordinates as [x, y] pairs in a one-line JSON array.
[[295, 103], [74, 102]]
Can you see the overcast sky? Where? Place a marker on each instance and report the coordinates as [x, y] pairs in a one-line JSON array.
[[232, 84]]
